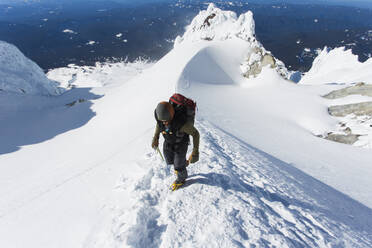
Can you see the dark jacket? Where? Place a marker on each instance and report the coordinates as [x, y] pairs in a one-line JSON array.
[[178, 131]]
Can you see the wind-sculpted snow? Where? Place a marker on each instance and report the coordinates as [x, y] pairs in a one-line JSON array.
[[21, 75], [208, 66], [236, 196], [338, 66]]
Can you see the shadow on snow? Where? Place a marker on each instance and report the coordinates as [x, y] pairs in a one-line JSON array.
[[26, 120], [328, 201]]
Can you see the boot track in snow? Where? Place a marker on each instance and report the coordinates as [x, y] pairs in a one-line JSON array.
[[236, 196]]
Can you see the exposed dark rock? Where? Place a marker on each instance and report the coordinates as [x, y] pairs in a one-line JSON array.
[[74, 102], [208, 39], [206, 21]]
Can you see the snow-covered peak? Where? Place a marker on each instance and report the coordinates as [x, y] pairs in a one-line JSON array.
[[338, 66], [18, 74], [216, 24]]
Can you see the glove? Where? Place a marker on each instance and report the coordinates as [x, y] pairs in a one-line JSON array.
[[194, 157], [155, 143]]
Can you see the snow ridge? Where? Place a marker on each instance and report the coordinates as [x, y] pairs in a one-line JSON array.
[[18, 74]]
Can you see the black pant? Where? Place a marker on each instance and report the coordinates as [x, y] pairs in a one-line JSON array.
[[176, 154]]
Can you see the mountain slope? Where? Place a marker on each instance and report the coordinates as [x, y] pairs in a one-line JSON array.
[[263, 177], [236, 196], [21, 75]]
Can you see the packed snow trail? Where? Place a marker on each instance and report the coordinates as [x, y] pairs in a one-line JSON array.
[[235, 196]]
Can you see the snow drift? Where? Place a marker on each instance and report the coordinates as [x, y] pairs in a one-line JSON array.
[[18, 74]]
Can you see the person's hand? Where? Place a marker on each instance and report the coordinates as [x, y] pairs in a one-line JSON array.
[[155, 143], [194, 157]]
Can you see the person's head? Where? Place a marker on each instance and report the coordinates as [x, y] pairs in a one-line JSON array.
[[165, 112]]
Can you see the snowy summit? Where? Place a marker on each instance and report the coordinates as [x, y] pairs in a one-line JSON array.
[[216, 24]]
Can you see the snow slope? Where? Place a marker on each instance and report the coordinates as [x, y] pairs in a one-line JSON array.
[[21, 75], [264, 179], [237, 196]]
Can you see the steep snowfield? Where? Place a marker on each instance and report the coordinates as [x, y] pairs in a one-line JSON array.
[[84, 175], [21, 75], [236, 196]]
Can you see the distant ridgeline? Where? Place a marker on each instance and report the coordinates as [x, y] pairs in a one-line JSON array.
[[56, 35]]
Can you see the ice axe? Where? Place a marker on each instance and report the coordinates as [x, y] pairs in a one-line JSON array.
[[161, 155]]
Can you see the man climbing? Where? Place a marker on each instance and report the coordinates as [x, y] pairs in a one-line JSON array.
[[176, 127]]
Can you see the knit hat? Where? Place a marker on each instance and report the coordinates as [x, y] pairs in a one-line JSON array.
[[164, 111]]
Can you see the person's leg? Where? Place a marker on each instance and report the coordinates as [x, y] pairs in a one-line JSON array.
[[180, 162], [168, 153]]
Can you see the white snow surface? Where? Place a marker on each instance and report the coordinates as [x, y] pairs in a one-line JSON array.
[[85, 175], [18, 74], [338, 66], [99, 75]]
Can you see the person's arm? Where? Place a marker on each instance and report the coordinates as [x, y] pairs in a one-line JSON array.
[[155, 139], [191, 130]]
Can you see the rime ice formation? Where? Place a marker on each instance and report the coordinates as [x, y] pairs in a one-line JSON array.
[[216, 24], [18, 74]]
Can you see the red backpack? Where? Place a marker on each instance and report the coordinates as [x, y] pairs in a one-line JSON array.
[[183, 103]]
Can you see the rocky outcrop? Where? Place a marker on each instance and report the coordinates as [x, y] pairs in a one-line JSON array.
[[206, 21], [75, 102], [256, 61], [260, 58], [358, 109], [342, 138], [358, 89]]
